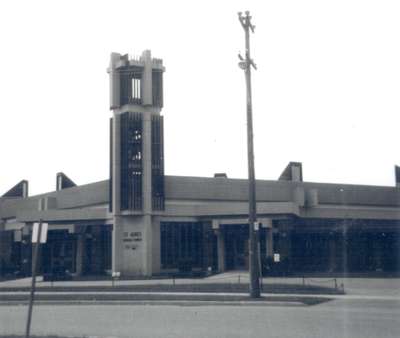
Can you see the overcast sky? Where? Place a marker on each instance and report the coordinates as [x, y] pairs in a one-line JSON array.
[[326, 92]]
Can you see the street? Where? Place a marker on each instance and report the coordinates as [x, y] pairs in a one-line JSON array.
[[351, 318]]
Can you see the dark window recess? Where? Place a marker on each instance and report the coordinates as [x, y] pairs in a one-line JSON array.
[[110, 182], [157, 162], [157, 83], [131, 161], [181, 245], [106, 247], [131, 85], [397, 174], [59, 252]]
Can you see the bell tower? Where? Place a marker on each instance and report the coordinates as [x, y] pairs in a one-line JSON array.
[[136, 156]]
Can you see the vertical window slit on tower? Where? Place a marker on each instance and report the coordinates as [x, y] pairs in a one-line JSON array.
[[110, 208], [136, 90], [131, 85], [157, 163], [157, 89], [131, 161]]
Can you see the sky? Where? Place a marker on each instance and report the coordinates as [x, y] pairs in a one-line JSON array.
[[326, 91]]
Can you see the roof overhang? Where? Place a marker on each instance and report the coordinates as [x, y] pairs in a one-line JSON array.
[[67, 215], [228, 209], [13, 224], [351, 212]]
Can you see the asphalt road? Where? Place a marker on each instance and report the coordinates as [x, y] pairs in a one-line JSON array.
[[352, 318]]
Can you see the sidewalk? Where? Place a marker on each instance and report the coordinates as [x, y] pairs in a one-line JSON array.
[[228, 287], [238, 277], [159, 298], [232, 282]]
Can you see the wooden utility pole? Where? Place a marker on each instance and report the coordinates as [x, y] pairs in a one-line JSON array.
[[246, 64]]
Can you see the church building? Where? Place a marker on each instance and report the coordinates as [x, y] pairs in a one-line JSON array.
[[143, 223]]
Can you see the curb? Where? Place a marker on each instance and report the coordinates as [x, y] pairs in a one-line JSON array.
[[161, 303], [158, 299]]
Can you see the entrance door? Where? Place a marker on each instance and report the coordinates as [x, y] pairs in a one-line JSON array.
[[63, 256], [59, 253], [237, 247]]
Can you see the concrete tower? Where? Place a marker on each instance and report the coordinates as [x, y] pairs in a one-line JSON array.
[[136, 162]]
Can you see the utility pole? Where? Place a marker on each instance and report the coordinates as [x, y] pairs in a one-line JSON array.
[[246, 64], [34, 267]]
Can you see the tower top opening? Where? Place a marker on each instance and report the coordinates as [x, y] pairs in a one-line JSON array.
[[136, 82]]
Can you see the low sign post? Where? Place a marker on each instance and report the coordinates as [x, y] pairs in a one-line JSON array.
[[114, 276], [39, 235]]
